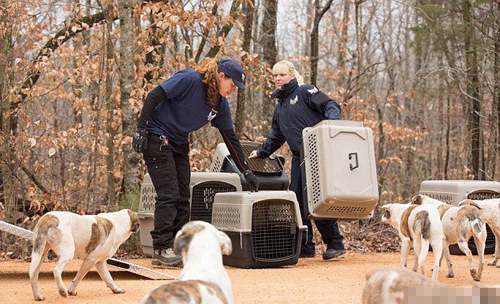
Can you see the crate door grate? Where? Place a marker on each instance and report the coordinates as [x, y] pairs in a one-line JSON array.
[[202, 199], [260, 165], [274, 230], [490, 239]]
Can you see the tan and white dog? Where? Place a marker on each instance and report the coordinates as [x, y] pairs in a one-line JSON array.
[[203, 279], [419, 225], [91, 238], [391, 286], [459, 224], [387, 286], [490, 211]]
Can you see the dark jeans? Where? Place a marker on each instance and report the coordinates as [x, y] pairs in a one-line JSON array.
[[169, 169], [328, 229]]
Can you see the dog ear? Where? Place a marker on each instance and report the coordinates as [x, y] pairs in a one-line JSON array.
[[225, 243], [416, 200], [181, 242]]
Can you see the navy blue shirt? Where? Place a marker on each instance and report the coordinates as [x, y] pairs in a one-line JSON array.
[[186, 108], [298, 107]]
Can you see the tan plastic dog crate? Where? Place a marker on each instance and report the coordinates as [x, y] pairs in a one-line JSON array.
[[269, 171], [204, 186], [146, 214], [265, 227], [340, 170], [455, 191]]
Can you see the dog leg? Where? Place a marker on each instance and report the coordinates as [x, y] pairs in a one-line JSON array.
[[480, 242], [465, 249], [65, 250], [496, 256], [106, 277], [405, 251], [447, 254], [36, 264], [84, 269], [416, 252], [437, 247]]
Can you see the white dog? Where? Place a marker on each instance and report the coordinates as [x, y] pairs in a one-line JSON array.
[[91, 238], [459, 224], [390, 286], [490, 211], [203, 279], [420, 225]]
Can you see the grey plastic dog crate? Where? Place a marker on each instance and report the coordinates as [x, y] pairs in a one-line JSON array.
[[146, 214], [203, 188], [340, 170], [269, 171], [455, 191], [265, 227]]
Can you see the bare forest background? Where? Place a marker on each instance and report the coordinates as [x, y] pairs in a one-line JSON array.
[[423, 74]]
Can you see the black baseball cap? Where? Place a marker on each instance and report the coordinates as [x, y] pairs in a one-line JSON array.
[[233, 70]]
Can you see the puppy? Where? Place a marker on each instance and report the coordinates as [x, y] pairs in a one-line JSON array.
[[203, 278], [387, 286], [419, 225], [459, 224], [390, 286], [91, 238], [490, 213]]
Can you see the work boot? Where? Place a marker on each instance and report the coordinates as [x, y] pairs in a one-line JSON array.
[[166, 257], [333, 253]]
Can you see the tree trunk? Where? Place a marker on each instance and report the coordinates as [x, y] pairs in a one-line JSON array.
[[318, 15], [108, 101], [247, 36], [473, 94], [130, 168], [270, 55], [496, 93]]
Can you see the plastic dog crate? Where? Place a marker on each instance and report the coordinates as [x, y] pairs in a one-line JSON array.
[[204, 186], [455, 191], [340, 170], [269, 171], [146, 214], [265, 227]]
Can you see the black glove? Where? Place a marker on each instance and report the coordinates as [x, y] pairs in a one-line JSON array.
[[140, 140], [252, 180]]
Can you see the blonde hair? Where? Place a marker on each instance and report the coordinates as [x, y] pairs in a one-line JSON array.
[[286, 67], [208, 69]]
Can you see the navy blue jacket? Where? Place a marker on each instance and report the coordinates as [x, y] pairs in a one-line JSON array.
[[298, 107]]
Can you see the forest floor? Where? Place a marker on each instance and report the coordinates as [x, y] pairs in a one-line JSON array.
[[310, 281]]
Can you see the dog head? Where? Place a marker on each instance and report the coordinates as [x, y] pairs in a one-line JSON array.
[[417, 199], [192, 229], [134, 221], [385, 214]]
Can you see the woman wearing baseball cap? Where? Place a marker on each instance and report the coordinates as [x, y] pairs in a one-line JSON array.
[[184, 103]]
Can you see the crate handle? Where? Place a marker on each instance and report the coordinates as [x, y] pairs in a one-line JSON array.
[[355, 154]]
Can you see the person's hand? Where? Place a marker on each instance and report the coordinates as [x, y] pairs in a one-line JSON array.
[[252, 180], [253, 155], [140, 140]]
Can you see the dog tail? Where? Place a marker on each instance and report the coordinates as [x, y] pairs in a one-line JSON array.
[[474, 217], [422, 224]]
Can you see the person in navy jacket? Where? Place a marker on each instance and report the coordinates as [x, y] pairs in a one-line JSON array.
[[300, 106], [184, 103]]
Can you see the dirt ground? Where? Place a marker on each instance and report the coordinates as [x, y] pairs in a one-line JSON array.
[[310, 281]]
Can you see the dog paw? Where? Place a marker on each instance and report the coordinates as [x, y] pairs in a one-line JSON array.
[[118, 290], [39, 298], [63, 293], [72, 292], [473, 273], [493, 263], [450, 275]]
